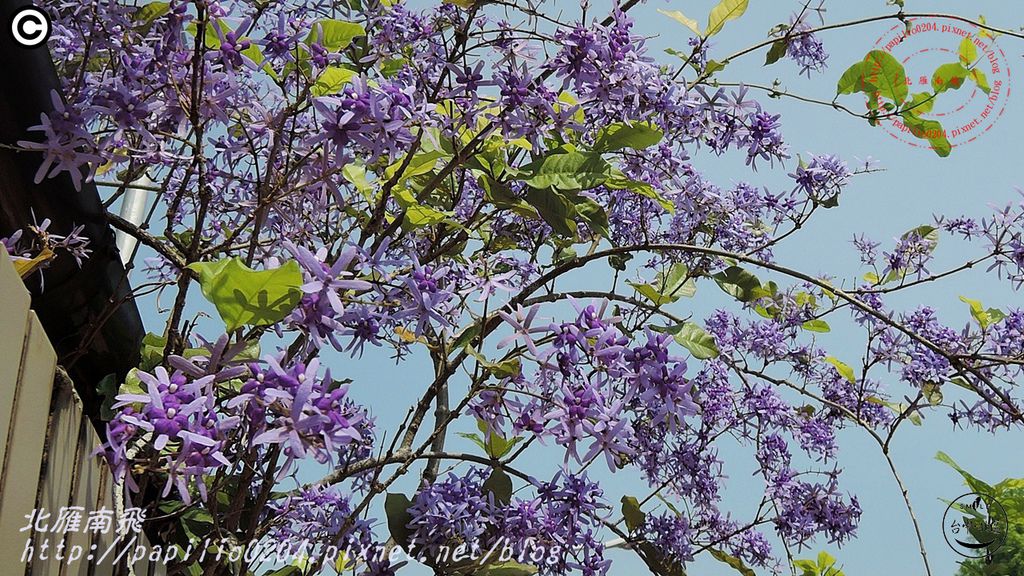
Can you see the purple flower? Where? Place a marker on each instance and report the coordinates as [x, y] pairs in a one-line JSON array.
[[67, 145], [805, 48]]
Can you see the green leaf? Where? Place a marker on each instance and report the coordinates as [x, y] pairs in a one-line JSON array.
[[392, 66], [682, 19], [502, 197], [981, 80], [499, 484], [695, 339], [555, 209], [738, 283], [949, 77], [932, 392], [499, 447], [668, 288], [620, 182], [244, 296], [418, 216], [979, 313], [714, 66], [420, 164], [631, 512], [132, 383], [331, 81], [995, 315], [725, 11], [152, 351], [962, 383], [651, 293], [510, 568], [777, 51], [925, 232], [149, 13], [855, 79], [973, 483], [356, 175], [638, 135], [466, 337], [824, 566], [732, 561], [807, 567], [475, 438], [816, 326], [108, 389], [396, 507], [929, 130], [920, 103], [967, 51], [843, 368], [210, 37], [677, 282], [569, 171], [886, 72], [496, 446], [593, 214], [505, 369], [334, 35]]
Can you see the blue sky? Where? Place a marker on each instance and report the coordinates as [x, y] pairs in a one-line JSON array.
[[915, 185]]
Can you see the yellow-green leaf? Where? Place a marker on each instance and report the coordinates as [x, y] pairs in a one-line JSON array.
[[695, 339], [843, 368], [968, 52], [334, 35], [885, 72], [244, 296], [949, 77], [725, 10], [816, 326], [682, 19], [981, 80], [331, 80], [855, 79]]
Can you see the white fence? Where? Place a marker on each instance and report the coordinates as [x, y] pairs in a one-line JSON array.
[[46, 457]]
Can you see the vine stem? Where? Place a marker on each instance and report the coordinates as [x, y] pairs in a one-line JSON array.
[[883, 445], [901, 16], [910, 510]]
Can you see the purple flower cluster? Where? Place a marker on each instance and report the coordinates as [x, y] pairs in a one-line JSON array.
[[805, 48], [176, 415], [807, 508], [305, 414], [556, 529], [210, 406], [823, 177], [42, 246]]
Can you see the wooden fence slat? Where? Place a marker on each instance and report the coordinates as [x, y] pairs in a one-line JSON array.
[[58, 474], [92, 492], [105, 539], [23, 457], [14, 303]]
